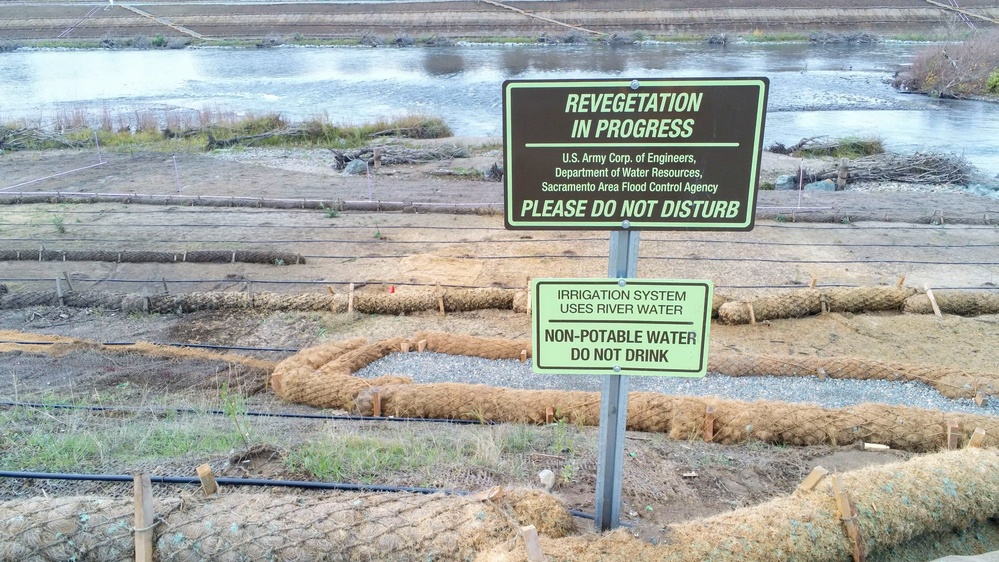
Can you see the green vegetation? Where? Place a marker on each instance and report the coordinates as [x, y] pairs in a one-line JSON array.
[[758, 36], [848, 147], [209, 128], [957, 70]]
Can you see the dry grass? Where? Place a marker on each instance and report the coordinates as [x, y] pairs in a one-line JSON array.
[[958, 70]]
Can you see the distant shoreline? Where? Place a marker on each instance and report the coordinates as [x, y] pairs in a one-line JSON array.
[[176, 24]]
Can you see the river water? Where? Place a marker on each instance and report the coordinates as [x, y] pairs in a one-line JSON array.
[[833, 90]]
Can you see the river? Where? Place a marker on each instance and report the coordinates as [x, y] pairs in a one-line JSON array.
[[835, 90]]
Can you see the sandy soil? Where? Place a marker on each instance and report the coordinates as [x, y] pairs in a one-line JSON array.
[[379, 250]]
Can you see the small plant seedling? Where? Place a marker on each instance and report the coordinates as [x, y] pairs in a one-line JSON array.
[[377, 235], [59, 223]]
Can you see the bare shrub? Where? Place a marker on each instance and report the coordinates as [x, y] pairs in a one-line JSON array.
[[954, 70], [146, 121]]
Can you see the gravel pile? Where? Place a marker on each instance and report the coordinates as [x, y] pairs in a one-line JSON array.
[[831, 393]]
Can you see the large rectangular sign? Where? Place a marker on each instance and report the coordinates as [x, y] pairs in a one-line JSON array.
[[659, 153], [621, 327]]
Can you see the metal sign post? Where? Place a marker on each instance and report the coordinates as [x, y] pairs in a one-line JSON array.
[[623, 264], [628, 155]]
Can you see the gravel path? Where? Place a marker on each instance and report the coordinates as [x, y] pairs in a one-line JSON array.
[[831, 393]]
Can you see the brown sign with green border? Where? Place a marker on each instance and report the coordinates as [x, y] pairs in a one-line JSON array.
[[661, 154]]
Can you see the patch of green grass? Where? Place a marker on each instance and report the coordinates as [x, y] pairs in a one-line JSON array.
[[849, 147], [992, 83], [759, 36], [67, 441]]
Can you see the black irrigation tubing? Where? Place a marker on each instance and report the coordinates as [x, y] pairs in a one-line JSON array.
[[811, 226], [233, 482], [302, 484], [170, 344], [289, 415], [510, 241], [683, 258], [254, 281], [407, 283]]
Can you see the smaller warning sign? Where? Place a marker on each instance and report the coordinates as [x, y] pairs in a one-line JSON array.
[[648, 327]]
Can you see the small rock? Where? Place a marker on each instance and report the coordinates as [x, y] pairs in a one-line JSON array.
[[355, 167], [824, 185], [547, 478], [786, 183]]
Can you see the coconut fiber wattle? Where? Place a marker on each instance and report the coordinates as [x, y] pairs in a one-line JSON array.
[[806, 302], [237, 526], [322, 377], [902, 511], [952, 383], [961, 303]]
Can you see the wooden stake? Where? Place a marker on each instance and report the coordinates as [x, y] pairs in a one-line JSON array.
[[534, 553], [980, 399], [208, 483], [933, 300], [276, 382], [350, 299], [404, 346], [709, 423], [549, 415], [421, 346], [901, 280], [953, 434], [528, 295], [142, 494], [813, 479], [59, 292], [378, 157], [376, 404], [166, 291], [814, 281], [69, 283], [846, 512], [977, 438], [440, 298], [842, 173], [523, 355], [752, 314], [876, 447]]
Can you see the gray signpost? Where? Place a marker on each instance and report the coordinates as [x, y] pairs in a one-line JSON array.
[[620, 155]]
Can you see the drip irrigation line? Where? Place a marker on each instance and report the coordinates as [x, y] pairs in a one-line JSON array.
[[233, 482], [254, 281], [225, 481], [812, 226], [407, 283], [290, 415], [511, 241], [684, 258], [167, 344]]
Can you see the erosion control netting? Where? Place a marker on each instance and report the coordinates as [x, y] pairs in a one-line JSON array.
[[321, 377], [237, 526], [68, 365], [903, 511], [133, 256]]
